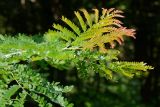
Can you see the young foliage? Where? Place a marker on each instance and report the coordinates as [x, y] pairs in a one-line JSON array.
[[90, 39], [104, 29], [83, 48]]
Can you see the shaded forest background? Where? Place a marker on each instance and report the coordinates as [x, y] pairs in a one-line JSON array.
[[34, 17]]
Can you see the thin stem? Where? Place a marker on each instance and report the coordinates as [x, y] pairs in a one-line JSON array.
[[20, 85], [14, 53], [72, 48]]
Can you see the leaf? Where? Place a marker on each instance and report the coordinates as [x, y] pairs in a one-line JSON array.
[[65, 31], [96, 15], [129, 69], [11, 91], [104, 11], [81, 21], [20, 101], [87, 16], [107, 71], [2, 37], [7, 94], [106, 30], [72, 25]]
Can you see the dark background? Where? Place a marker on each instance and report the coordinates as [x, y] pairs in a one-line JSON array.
[[37, 16]]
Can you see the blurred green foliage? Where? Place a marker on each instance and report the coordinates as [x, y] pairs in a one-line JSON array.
[[37, 16]]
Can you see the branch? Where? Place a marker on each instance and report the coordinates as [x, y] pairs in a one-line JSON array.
[[14, 53]]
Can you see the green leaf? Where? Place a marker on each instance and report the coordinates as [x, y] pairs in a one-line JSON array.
[[87, 16], [65, 31], [21, 100], [72, 25], [81, 21], [11, 91]]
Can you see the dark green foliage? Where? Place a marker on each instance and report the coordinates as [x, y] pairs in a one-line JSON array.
[[21, 80], [31, 84]]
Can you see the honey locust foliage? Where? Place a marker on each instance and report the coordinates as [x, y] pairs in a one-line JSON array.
[[83, 48], [94, 32]]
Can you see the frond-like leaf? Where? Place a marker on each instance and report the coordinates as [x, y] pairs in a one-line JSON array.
[[104, 29], [81, 21], [5, 98], [19, 102], [96, 15], [11, 91], [129, 68], [64, 30], [72, 25], [103, 13], [87, 16]]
